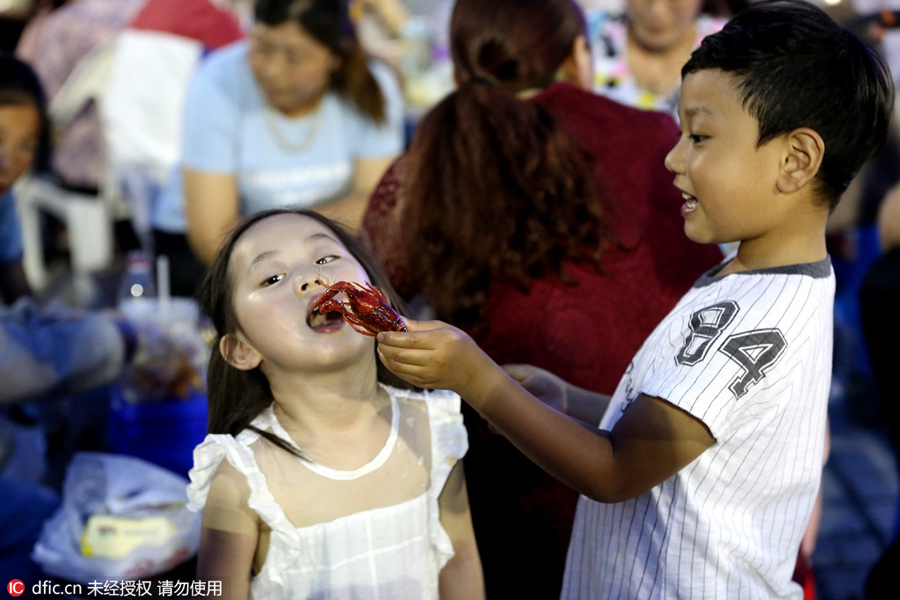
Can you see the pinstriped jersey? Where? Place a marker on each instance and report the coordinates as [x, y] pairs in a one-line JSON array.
[[749, 355]]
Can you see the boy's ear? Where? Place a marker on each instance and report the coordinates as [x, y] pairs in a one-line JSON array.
[[804, 150], [238, 353]]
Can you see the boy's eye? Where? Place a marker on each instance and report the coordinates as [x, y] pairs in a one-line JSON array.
[[272, 280], [326, 259]]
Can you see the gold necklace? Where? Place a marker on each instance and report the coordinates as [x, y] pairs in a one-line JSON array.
[[286, 144]]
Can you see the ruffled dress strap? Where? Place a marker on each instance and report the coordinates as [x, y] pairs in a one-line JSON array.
[[449, 443], [207, 457], [238, 452]]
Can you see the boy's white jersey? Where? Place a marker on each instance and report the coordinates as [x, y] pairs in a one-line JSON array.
[[748, 354]]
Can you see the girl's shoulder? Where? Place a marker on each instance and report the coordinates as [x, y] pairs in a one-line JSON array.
[[438, 403], [220, 451], [448, 437], [214, 451]]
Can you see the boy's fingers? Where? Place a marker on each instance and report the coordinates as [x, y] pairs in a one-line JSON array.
[[411, 373], [419, 337], [412, 325], [400, 356], [394, 338]]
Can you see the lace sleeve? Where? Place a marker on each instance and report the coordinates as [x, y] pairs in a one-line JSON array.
[[448, 434], [207, 457], [449, 443]]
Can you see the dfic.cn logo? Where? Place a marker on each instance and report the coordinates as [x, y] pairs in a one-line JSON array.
[[15, 587]]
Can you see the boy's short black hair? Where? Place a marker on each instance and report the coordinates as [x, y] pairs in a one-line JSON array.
[[800, 68]]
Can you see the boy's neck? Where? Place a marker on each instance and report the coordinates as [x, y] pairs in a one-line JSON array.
[[796, 236], [797, 250]]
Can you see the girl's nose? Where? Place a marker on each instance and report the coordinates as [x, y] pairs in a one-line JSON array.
[[305, 282]]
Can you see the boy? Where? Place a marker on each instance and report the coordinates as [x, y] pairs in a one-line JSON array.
[[700, 479]]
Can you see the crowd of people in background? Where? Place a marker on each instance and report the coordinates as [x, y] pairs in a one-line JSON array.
[[531, 206]]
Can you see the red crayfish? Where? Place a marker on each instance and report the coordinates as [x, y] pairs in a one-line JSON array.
[[366, 310]]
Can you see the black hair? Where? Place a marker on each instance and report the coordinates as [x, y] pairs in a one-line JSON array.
[[19, 85], [236, 397], [800, 68]]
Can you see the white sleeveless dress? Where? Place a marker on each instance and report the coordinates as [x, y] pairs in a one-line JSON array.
[[387, 549]]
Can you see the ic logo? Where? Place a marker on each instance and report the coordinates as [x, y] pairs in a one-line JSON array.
[[15, 587]]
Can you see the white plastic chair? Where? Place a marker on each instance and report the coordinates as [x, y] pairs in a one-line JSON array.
[[141, 113], [88, 223], [88, 218]]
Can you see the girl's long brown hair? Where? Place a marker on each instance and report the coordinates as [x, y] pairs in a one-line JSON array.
[[236, 397], [328, 21], [496, 188]]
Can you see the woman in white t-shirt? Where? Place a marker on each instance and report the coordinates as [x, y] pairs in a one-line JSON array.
[[294, 116]]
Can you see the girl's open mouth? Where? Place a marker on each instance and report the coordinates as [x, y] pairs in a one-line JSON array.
[[323, 322]]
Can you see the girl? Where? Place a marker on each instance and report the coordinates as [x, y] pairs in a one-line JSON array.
[[24, 141], [294, 116], [333, 484]]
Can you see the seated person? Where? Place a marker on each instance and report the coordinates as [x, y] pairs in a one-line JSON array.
[[55, 45], [297, 116], [23, 142]]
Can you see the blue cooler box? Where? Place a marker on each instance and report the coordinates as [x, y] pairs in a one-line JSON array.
[[163, 432]]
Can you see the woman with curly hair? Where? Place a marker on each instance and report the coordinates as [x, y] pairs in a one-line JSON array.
[[540, 218]]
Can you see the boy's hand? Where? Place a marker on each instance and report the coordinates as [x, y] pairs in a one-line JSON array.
[[544, 385], [433, 354]]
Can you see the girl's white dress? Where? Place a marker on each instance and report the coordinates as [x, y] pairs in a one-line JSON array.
[[371, 532]]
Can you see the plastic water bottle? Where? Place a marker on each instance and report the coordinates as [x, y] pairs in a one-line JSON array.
[[137, 290]]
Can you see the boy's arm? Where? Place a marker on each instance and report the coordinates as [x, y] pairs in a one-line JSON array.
[[230, 534], [579, 403], [651, 442], [461, 577]]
